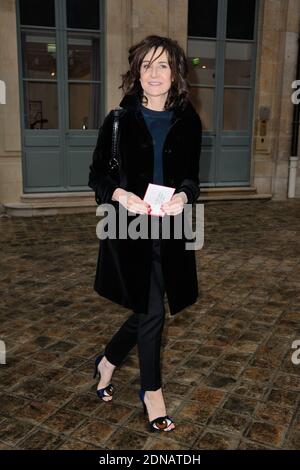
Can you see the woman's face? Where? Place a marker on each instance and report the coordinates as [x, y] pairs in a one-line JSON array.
[[156, 79]]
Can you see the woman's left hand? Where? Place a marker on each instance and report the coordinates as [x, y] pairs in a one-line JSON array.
[[175, 205]]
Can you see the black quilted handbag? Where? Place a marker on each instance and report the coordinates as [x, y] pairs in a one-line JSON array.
[[115, 161]]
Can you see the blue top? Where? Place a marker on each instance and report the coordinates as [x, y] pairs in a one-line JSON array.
[[158, 123]]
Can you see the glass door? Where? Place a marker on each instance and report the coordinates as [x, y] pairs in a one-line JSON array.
[[221, 54], [61, 63]]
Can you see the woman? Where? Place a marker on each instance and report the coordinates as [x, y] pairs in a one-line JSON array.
[[160, 142]]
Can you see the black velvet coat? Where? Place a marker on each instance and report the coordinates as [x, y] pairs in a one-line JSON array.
[[124, 265]]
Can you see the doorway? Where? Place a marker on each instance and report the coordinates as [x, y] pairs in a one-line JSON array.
[[61, 58], [221, 50]]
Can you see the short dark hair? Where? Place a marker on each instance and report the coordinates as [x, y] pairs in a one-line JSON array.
[[179, 91]]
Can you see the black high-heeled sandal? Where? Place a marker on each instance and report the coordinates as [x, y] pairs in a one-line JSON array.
[[106, 391], [158, 424]]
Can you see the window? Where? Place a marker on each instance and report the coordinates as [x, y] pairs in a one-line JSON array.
[[202, 18], [240, 19], [61, 63], [83, 14], [37, 12]]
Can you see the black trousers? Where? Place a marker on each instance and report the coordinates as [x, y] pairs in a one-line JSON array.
[[144, 329]]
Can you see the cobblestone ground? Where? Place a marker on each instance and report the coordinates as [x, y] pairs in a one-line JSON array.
[[229, 382]]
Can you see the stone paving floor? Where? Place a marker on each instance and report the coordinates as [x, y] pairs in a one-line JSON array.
[[229, 381]]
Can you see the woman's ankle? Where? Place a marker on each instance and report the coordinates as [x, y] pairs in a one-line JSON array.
[[107, 363], [153, 393]]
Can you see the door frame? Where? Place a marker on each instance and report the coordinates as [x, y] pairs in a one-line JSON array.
[[214, 140], [58, 137]]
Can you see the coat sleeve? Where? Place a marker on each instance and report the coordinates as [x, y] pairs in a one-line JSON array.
[[99, 179], [190, 182]]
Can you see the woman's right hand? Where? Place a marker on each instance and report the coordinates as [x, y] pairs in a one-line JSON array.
[[131, 201]]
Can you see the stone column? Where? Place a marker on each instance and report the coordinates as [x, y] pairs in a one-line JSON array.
[[10, 132], [276, 68]]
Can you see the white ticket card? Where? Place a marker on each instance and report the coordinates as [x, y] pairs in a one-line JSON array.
[[156, 195]]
